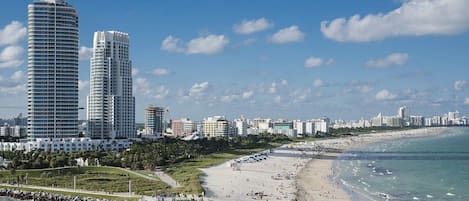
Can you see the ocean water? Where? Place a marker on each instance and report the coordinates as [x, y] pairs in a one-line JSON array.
[[429, 168]]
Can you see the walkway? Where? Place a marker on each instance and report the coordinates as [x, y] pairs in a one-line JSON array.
[[160, 174], [69, 190]]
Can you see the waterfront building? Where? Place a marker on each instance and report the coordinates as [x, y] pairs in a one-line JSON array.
[[111, 105], [284, 127], [377, 121], [216, 126], [183, 127], [393, 121], [321, 125], [7, 131], [154, 120], [241, 126], [262, 124], [417, 121], [66, 145], [300, 127], [436, 121], [404, 114], [309, 128], [52, 70]]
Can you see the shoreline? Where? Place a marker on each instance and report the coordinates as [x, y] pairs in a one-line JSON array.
[[316, 182], [299, 171]]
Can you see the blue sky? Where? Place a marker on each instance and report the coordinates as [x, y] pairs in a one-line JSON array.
[[279, 59]]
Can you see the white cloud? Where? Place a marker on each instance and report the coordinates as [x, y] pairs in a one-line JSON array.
[[10, 87], [229, 98], [198, 89], [394, 59], [466, 101], [273, 88], [251, 26], [143, 88], [83, 84], [12, 34], [161, 92], [18, 75], [318, 83], [287, 35], [314, 62], [13, 90], [385, 95], [247, 94], [172, 44], [135, 71], [85, 53], [210, 44], [412, 18], [300, 95], [10, 57], [284, 82], [160, 72], [364, 88], [459, 84]]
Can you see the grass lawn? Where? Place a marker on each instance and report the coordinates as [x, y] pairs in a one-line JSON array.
[[105, 179]]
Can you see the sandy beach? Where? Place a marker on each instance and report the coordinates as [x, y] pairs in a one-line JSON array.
[[300, 171]]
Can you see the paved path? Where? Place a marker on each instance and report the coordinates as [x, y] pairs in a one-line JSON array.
[[166, 179], [160, 174], [70, 190]]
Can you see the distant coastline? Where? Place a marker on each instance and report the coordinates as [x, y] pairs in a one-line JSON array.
[[315, 181]]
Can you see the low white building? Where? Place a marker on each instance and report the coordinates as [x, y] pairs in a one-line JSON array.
[[66, 145]]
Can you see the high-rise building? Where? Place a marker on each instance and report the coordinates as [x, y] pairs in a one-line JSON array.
[[153, 120], [52, 69], [216, 126], [300, 127], [183, 127], [321, 125], [241, 126], [111, 105], [404, 114]]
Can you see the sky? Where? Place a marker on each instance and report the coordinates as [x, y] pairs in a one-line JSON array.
[[297, 59]]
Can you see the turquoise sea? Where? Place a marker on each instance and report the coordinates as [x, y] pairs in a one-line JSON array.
[[428, 168]]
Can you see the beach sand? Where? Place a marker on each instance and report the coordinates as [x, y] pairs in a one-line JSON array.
[[293, 172]]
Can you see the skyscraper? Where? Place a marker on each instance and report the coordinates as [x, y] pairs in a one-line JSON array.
[[111, 105], [404, 114], [154, 120], [52, 69]]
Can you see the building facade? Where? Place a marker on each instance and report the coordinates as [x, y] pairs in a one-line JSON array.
[[183, 127], [241, 126], [216, 126], [52, 70], [111, 105], [153, 120]]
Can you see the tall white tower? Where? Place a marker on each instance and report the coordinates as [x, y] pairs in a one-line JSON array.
[[111, 105], [52, 69]]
